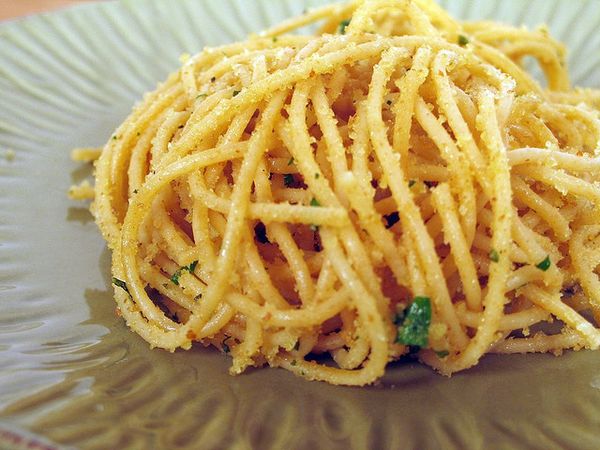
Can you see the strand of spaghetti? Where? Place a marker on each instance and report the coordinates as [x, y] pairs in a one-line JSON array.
[[107, 218], [587, 117], [493, 302], [261, 279], [584, 268], [280, 234], [371, 222], [199, 128], [524, 83], [542, 208], [403, 108], [538, 343], [239, 204], [460, 178], [558, 79], [353, 352], [374, 366], [121, 158], [553, 304], [513, 321], [562, 182], [250, 345], [201, 224], [463, 136], [362, 18], [564, 160], [554, 119], [404, 199], [309, 17], [298, 142], [141, 203], [271, 212], [336, 153], [174, 121], [446, 209], [306, 317]]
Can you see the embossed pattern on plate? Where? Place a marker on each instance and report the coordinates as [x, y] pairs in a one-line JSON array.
[[71, 372]]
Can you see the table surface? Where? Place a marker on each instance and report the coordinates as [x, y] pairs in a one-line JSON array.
[[10, 9]]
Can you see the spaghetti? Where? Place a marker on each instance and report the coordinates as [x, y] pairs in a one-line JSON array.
[[395, 183]]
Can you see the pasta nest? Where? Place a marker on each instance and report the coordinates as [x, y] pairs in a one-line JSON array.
[[291, 196]]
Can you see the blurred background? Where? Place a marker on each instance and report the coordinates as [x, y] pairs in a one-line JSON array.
[[10, 9]]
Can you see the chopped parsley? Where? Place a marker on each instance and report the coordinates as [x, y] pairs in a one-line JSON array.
[[294, 362], [411, 183], [121, 284], [291, 161], [314, 202], [442, 353], [544, 264], [190, 268], [316, 176], [213, 79], [198, 297], [201, 96], [414, 325], [494, 256], [274, 38], [236, 93], [343, 24], [288, 179], [462, 40]]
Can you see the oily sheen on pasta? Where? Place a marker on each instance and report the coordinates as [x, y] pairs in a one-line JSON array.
[[396, 183]]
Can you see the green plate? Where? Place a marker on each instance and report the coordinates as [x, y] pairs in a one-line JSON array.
[[72, 374]]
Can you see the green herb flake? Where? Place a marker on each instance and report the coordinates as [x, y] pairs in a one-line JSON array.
[[291, 161], [121, 284], [297, 345], [198, 297], [314, 202], [190, 268], [411, 183], [114, 138], [414, 329], [343, 25], [389, 102], [275, 39], [236, 93], [294, 362], [317, 176], [213, 79], [494, 255], [199, 96], [544, 264], [462, 40], [288, 179], [442, 353]]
